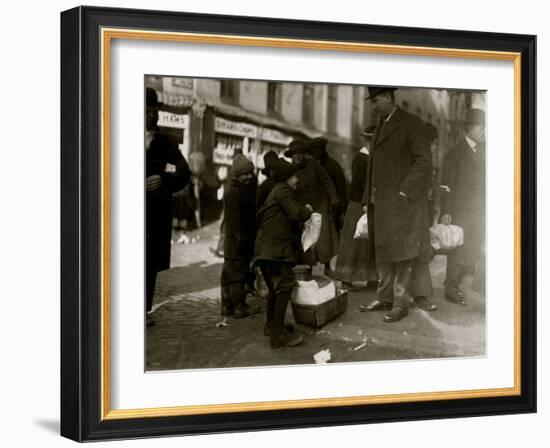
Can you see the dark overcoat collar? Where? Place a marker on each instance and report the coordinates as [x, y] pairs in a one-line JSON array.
[[384, 130]]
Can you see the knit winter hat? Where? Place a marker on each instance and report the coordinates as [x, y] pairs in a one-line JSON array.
[[241, 165]]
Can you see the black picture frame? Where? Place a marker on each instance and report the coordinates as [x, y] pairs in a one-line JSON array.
[[81, 208]]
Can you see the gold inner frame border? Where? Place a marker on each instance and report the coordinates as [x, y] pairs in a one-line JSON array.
[[109, 34]]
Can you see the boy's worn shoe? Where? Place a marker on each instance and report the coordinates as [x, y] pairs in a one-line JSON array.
[[245, 310], [286, 339], [288, 327]]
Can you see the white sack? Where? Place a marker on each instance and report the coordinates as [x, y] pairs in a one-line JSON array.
[[362, 228], [313, 292], [312, 230], [446, 237]]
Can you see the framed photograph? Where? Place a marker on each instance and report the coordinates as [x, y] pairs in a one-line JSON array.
[[274, 223]]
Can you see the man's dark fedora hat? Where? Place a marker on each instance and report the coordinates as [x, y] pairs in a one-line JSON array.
[[269, 158], [376, 90], [296, 147]]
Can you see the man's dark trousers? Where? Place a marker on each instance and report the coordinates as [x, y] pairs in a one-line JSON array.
[[395, 280]]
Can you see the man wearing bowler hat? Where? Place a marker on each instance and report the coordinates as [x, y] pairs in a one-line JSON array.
[[396, 199], [463, 201]]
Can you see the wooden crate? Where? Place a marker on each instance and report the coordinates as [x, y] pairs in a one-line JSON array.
[[319, 315]]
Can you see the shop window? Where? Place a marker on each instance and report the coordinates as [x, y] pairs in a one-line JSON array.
[[229, 90], [274, 97], [332, 108], [307, 104]]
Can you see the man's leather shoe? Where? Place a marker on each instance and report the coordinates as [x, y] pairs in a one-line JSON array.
[[245, 311], [377, 305], [424, 304], [456, 296], [397, 313]]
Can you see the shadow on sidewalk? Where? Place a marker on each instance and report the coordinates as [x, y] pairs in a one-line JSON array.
[[188, 279]]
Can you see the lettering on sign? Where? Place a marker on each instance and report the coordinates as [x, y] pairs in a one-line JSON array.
[[184, 83], [170, 120], [241, 129], [223, 155], [274, 136]]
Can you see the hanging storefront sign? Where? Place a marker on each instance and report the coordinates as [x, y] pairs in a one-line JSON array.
[[171, 120], [274, 136], [182, 83]]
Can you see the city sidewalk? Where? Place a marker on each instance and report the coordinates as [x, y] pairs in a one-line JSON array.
[[187, 333]]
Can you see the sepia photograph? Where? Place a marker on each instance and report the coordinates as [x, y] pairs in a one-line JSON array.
[[292, 223], [345, 212]]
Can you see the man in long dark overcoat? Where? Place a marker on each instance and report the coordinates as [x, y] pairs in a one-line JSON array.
[[276, 249], [166, 172], [396, 199], [239, 203], [463, 202]]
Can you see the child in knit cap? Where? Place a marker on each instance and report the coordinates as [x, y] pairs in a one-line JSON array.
[[239, 203]]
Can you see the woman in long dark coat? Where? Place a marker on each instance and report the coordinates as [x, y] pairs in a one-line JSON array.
[[316, 188], [318, 149], [355, 263], [166, 172]]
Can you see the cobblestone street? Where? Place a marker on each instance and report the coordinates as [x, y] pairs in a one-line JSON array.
[[187, 308]]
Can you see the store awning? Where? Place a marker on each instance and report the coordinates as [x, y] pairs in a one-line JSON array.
[[174, 100]]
